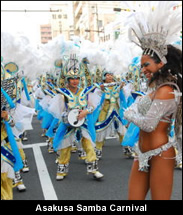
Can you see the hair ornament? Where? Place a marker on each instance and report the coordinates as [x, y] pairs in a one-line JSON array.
[[153, 30]]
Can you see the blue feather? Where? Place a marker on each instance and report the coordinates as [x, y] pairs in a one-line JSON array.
[[50, 132], [131, 136], [25, 88], [47, 120], [91, 126], [18, 164], [59, 136]]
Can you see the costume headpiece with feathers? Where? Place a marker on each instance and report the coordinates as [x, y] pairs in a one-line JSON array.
[[155, 26]]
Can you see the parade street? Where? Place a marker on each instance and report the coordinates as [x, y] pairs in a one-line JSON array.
[[41, 182]]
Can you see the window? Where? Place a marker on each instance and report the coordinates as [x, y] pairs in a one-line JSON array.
[[65, 16], [100, 23]]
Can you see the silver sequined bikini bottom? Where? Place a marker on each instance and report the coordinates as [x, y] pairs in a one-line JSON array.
[[143, 158]]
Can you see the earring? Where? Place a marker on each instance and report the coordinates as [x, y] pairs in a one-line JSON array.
[[159, 71], [175, 76]]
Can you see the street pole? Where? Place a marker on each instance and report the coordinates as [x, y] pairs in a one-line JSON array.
[[104, 33], [97, 23]]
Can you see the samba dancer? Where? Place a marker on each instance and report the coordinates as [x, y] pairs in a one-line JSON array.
[[74, 99], [7, 160], [154, 113], [22, 116], [11, 161], [110, 121], [19, 114], [47, 120]]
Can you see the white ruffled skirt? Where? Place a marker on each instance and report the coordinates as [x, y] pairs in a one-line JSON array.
[[22, 116], [71, 138], [110, 131]]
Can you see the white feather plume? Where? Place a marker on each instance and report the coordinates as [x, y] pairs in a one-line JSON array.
[[153, 16]]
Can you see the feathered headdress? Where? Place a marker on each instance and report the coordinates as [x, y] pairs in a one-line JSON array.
[[155, 26], [72, 67]]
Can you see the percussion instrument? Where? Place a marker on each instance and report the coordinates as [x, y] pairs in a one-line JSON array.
[[73, 120], [111, 84], [8, 86]]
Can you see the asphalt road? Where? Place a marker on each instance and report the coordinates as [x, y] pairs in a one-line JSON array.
[[78, 185]]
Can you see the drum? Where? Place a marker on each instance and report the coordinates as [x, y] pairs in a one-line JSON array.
[[72, 118]]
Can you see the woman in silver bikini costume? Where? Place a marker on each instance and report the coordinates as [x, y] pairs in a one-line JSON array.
[[153, 166]]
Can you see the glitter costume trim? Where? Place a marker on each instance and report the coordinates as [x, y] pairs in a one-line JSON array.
[[143, 158]]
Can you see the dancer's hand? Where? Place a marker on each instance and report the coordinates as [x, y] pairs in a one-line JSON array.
[[4, 115], [122, 85], [82, 114], [102, 87]]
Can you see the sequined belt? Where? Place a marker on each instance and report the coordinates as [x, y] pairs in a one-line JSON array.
[[143, 158]]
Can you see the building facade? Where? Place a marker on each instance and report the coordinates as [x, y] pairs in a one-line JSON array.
[[62, 20], [91, 17], [46, 33]]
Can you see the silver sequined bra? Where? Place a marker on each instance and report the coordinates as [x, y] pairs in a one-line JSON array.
[[146, 114]]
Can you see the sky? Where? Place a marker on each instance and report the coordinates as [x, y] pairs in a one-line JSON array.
[[27, 23]]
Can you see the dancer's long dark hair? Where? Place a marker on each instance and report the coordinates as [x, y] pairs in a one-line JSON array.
[[172, 72]]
